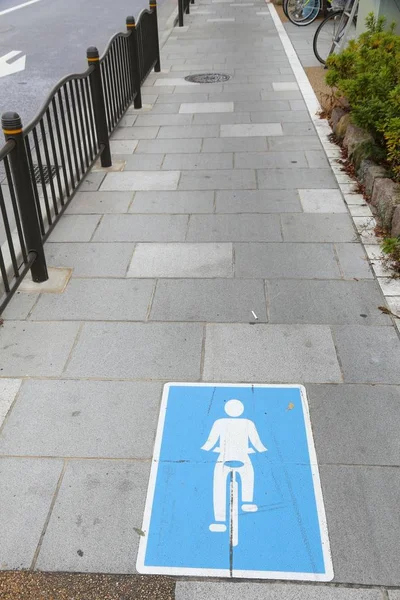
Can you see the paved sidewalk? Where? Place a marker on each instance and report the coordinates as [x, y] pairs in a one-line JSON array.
[[226, 205]]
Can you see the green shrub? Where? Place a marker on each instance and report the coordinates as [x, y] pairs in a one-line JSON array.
[[367, 73]]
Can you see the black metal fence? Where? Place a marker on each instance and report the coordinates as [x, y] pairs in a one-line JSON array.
[[43, 164], [183, 8]]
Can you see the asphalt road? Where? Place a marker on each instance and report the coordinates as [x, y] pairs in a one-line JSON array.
[[54, 36]]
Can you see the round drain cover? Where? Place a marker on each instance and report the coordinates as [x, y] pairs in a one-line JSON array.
[[208, 78]]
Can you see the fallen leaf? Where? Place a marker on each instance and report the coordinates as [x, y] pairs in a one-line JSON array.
[[387, 311], [139, 531], [290, 406]]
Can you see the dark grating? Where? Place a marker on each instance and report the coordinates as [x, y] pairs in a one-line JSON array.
[[208, 78], [47, 173]]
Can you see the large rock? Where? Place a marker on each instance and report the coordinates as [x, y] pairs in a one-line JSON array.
[[355, 138], [341, 127], [368, 172], [337, 114], [385, 198], [396, 222]]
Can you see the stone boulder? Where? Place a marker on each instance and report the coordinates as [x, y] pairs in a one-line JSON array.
[[385, 198]]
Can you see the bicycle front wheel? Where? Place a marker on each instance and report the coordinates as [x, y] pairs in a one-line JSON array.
[[284, 6], [303, 12], [330, 31]]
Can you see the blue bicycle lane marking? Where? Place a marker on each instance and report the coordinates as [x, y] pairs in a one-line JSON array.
[[263, 434]]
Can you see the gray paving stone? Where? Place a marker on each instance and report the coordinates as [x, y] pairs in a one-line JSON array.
[[142, 228], [151, 351], [212, 300], [168, 146], [221, 118], [74, 228], [262, 106], [181, 260], [198, 161], [135, 133], [26, 491], [251, 130], [123, 146], [322, 201], [100, 203], [92, 527], [141, 180], [360, 503], [292, 143], [270, 160], [20, 306], [204, 590], [353, 261], [173, 202], [270, 353], [84, 300], [150, 119], [334, 302], [240, 144], [188, 131], [350, 423], [206, 107], [311, 227], [276, 116], [164, 109], [188, 97], [86, 419], [35, 349], [234, 228], [394, 594], [368, 354], [143, 162], [233, 179], [91, 182], [317, 159], [91, 260], [258, 201], [295, 178], [289, 260], [298, 129]]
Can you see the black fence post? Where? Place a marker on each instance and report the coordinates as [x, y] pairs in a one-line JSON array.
[[153, 7], [134, 51], [99, 109], [12, 129], [187, 7], [180, 11]]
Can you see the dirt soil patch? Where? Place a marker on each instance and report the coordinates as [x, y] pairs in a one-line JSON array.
[[316, 76]]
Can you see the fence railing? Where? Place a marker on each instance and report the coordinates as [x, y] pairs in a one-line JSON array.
[[183, 9], [43, 164]]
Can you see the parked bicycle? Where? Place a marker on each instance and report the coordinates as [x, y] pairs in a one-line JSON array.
[[303, 12], [336, 30]]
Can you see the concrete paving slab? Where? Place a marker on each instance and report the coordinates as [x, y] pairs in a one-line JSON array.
[[360, 503], [35, 349], [251, 130], [152, 120], [322, 201], [275, 116], [56, 283], [288, 260], [100, 203], [291, 143], [335, 302], [169, 146], [234, 228], [270, 353], [173, 202], [316, 158], [258, 201], [92, 527], [143, 162], [368, 354], [224, 179], [240, 144], [188, 131], [20, 307], [212, 300], [351, 421], [187, 97], [394, 594], [270, 160], [206, 107], [317, 228], [142, 228], [292, 178], [8, 391], [203, 590], [135, 133], [281, 86], [151, 351], [123, 146], [91, 260], [91, 182], [198, 161], [353, 261], [83, 300], [221, 118], [26, 491], [181, 260], [75, 228], [141, 180], [87, 419]]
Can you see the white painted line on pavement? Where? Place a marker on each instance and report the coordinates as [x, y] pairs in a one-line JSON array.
[[7, 68], [8, 10]]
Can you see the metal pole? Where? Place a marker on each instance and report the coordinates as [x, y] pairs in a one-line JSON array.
[[131, 27], [99, 109], [12, 129], [180, 11], [153, 7]]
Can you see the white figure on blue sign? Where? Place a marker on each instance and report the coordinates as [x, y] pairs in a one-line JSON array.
[[231, 439]]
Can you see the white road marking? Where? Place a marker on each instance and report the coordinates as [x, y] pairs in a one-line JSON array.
[[8, 69], [8, 10]]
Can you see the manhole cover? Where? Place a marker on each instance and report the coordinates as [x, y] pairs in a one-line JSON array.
[[47, 173], [208, 78]]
